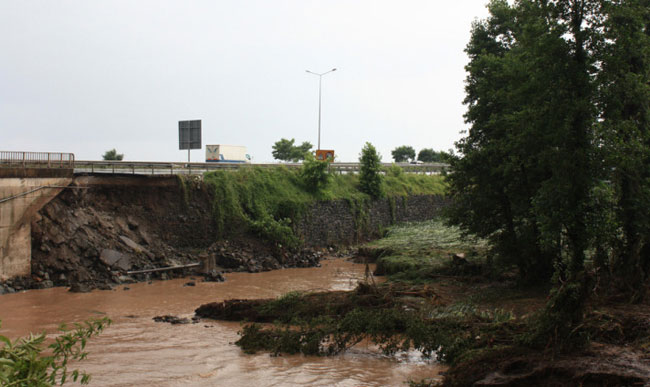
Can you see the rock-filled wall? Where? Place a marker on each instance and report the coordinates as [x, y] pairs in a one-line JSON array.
[[345, 222]]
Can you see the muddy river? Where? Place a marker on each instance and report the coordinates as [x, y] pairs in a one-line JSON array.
[[136, 351]]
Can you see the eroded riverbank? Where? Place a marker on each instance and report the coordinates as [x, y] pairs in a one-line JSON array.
[[135, 350]]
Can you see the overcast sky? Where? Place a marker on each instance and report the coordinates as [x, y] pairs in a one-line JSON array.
[[87, 76]]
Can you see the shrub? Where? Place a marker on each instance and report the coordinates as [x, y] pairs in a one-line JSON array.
[[370, 178], [23, 364], [394, 171], [314, 174]]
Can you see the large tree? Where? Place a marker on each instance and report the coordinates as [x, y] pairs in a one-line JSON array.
[[625, 136], [403, 153], [555, 163], [525, 173], [286, 150], [428, 155]]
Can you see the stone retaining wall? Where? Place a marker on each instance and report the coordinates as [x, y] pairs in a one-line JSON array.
[[342, 222]]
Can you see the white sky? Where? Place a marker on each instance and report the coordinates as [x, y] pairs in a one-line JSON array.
[[87, 76]]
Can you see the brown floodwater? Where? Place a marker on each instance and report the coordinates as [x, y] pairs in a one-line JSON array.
[[136, 351]]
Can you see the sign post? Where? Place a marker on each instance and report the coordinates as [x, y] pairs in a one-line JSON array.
[[189, 135]]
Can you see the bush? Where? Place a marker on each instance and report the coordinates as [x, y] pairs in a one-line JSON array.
[[370, 178], [314, 174], [394, 171], [22, 362]]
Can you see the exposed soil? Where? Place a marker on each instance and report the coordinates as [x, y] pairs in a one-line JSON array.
[[598, 365], [89, 238]]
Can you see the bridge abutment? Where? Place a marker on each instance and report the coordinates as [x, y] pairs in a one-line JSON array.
[[20, 199]]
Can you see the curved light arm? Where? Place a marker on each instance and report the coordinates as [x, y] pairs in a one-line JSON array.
[[321, 74]]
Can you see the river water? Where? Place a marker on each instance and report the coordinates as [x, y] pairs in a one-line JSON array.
[[136, 351]]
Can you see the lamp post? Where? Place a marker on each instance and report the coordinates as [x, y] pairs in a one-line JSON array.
[[320, 80]]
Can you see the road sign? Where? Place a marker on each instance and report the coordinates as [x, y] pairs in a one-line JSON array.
[[189, 134]]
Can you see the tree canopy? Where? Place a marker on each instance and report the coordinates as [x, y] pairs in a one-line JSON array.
[[428, 155], [555, 163], [112, 155], [403, 153], [286, 150]]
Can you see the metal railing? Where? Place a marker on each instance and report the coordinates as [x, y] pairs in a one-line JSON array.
[[67, 160], [179, 168], [36, 159]]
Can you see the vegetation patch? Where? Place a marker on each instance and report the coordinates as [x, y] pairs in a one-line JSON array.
[[419, 250], [22, 362], [269, 201], [486, 328], [397, 318]]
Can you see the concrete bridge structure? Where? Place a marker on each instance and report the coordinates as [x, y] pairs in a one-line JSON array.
[[22, 193], [28, 181]]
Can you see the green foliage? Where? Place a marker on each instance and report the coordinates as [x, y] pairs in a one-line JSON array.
[[554, 169], [265, 201], [359, 210], [422, 238], [394, 171], [405, 184], [526, 171], [418, 251], [557, 327], [314, 173], [448, 332], [185, 192], [370, 177], [269, 201], [428, 155], [625, 134], [279, 231], [403, 153], [286, 150], [112, 155], [22, 363]]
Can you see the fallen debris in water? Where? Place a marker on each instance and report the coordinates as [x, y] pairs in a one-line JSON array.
[[174, 320]]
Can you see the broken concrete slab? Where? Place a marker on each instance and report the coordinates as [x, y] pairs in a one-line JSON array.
[[116, 259]]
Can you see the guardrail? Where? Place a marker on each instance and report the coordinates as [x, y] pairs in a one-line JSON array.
[[67, 160], [37, 159], [180, 168]]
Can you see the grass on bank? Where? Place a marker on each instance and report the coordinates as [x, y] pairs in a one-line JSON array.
[[417, 250], [268, 201]]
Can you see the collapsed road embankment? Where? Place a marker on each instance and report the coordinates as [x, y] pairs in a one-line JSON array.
[[92, 237]]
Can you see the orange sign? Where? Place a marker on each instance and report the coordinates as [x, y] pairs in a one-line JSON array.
[[325, 155]]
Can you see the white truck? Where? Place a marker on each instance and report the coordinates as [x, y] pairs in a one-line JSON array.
[[226, 154]]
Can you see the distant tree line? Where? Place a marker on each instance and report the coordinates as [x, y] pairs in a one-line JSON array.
[[406, 153]]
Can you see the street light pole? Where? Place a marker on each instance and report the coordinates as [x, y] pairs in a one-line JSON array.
[[320, 82]]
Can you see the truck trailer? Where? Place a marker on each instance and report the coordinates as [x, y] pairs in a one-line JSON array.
[[226, 154]]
